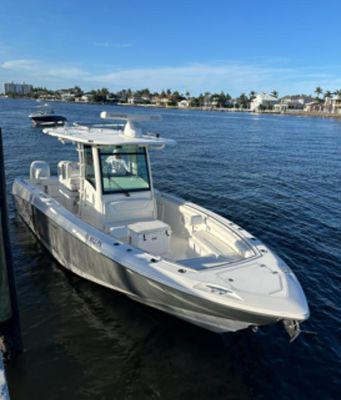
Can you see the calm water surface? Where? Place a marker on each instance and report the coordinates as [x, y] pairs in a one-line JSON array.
[[279, 177]]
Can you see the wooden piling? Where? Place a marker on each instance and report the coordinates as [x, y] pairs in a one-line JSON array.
[[4, 394], [9, 315]]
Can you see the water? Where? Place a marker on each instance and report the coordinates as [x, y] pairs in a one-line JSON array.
[[277, 176]]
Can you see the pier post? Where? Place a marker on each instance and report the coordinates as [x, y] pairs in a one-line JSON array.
[[10, 335], [4, 394]]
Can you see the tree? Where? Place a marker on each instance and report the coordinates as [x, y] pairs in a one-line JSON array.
[[201, 100], [194, 102], [243, 101], [252, 95], [228, 97], [221, 100], [274, 93], [100, 95], [318, 91], [77, 91], [176, 96], [172, 102], [143, 93]]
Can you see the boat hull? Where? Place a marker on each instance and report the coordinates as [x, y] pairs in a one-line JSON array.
[[48, 120], [88, 262]]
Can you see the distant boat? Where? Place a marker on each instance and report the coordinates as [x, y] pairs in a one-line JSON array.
[[45, 116]]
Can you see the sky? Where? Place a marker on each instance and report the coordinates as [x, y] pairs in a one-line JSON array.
[[196, 46]]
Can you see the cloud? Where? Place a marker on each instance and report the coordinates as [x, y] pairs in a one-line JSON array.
[[112, 45], [19, 65], [233, 77], [40, 73], [65, 73]]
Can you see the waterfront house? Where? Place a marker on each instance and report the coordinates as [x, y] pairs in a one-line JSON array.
[[337, 105], [83, 99], [332, 104], [328, 104], [48, 97], [262, 101], [135, 100], [282, 106], [183, 104], [312, 106], [292, 103], [155, 100], [112, 98], [214, 102], [160, 101], [66, 96]]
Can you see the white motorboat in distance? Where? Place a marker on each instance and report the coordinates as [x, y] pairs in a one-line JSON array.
[[102, 218], [45, 116]]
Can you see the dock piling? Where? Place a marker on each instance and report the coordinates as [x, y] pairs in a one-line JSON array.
[[9, 315]]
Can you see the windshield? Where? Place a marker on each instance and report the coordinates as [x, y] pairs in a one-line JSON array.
[[124, 169]]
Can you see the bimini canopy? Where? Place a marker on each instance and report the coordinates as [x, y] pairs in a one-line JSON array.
[[111, 134]]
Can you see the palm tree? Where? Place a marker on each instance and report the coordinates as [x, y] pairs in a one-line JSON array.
[[77, 91], [252, 95], [243, 101], [318, 91]]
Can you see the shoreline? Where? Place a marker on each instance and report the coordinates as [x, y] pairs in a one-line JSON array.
[[298, 113]]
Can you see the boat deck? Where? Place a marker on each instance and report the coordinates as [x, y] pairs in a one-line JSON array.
[[198, 247]]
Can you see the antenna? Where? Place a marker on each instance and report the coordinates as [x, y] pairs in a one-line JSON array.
[[130, 128], [130, 117]]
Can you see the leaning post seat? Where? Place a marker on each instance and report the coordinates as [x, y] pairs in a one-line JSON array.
[[141, 208], [69, 175]]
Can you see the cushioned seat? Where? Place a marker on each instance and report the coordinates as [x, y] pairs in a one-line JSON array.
[[118, 212], [205, 243]]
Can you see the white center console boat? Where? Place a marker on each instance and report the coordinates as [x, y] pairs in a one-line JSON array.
[[102, 219]]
